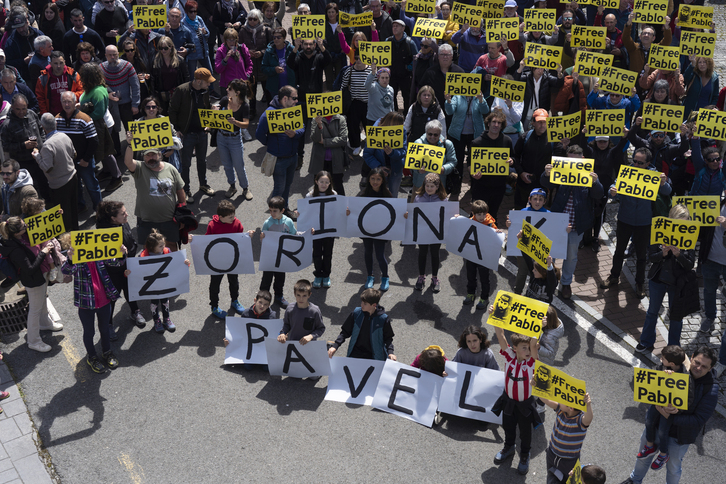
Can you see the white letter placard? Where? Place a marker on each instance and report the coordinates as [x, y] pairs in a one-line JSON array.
[[247, 337], [353, 380], [377, 218], [408, 392], [222, 254], [553, 225], [286, 252], [471, 391], [427, 223], [296, 360], [325, 214], [475, 242], [158, 276]]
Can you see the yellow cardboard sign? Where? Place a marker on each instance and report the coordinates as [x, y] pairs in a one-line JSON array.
[[608, 4], [665, 58], [591, 63], [217, 119], [506, 89], [662, 117], [637, 182], [576, 476], [429, 27], [661, 388], [375, 53], [540, 20], [558, 386], [534, 243], [544, 56], [280, 120], [348, 20], [324, 104], [153, 133], [704, 209], [308, 26], [489, 161], [701, 44], [678, 233], [458, 84], [589, 37], [518, 314], [618, 81], [572, 171], [420, 156], [559, 127], [605, 122], [421, 6], [377, 137], [149, 16], [711, 124], [45, 226], [492, 8], [99, 244], [498, 27], [650, 11], [695, 17], [462, 13]]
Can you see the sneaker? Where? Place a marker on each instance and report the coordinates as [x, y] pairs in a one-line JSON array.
[[238, 308], [363, 182], [643, 349], [96, 364], [110, 359], [454, 197], [420, 283], [469, 300], [114, 185], [437, 419], [566, 291], [356, 151], [326, 282], [218, 313], [290, 214], [523, 466], [482, 304], [407, 181], [170, 327], [207, 190], [231, 191], [706, 326], [190, 198], [158, 327], [435, 284], [369, 282], [659, 462], [719, 369], [384, 284], [138, 319], [640, 291], [40, 347], [282, 301], [646, 451], [595, 246], [4, 395], [247, 194], [53, 327], [609, 282], [317, 282], [504, 454], [246, 136]]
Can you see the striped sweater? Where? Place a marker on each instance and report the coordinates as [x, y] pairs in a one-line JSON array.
[[568, 435], [356, 80], [122, 78], [81, 130]]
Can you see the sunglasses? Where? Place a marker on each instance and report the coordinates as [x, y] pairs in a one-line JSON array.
[[149, 106], [425, 46], [433, 134], [566, 18], [278, 37], [164, 48], [5, 173], [294, 98], [640, 162], [657, 135], [130, 50], [712, 160], [192, 11]]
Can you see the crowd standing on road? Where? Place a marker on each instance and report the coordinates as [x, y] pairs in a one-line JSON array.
[[59, 124]]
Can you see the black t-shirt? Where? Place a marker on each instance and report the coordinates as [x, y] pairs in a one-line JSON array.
[[240, 115], [107, 21], [362, 348]]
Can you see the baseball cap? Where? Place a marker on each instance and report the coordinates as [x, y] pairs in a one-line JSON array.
[[400, 22], [204, 75], [510, 3], [602, 138], [538, 191], [151, 151], [17, 19], [540, 115]]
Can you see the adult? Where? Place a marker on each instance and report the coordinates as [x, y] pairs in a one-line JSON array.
[[43, 47], [332, 40], [11, 87], [85, 53], [389, 159], [230, 145], [494, 62], [638, 51], [4, 66], [111, 22], [702, 84], [145, 43], [676, 86], [151, 109], [421, 112], [537, 91], [122, 79], [426, 58], [78, 34], [383, 21], [55, 158], [20, 42], [531, 154], [168, 71], [274, 62], [227, 14], [80, 129], [712, 260], [330, 137], [51, 24], [131, 54], [256, 36], [272, 14], [200, 37], [232, 60], [564, 24], [54, 81], [433, 136], [664, 150], [614, 100], [403, 50], [17, 186], [472, 45], [435, 76], [354, 79], [177, 31], [184, 108]]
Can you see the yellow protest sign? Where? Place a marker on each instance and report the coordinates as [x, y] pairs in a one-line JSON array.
[[214, 118], [492, 8], [153, 133], [458, 84], [637, 182], [695, 17], [149, 16], [605, 122], [280, 120], [661, 388], [379, 136], [324, 104], [375, 53], [608, 4], [421, 6], [662, 117], [429, 27], [518, 314], [45, 226], [534, 243], [506, 89], [489, 161], [665, 58], [559, 127], [711, 124], [425, 157], [544, 56], [558, 386], [590, 37], [540, 20], [496, 28], [308, 26], [701, 44], [704, 209], [576, 476], [591, 63], [618, 81], [99, 244], [572, 171], [462, 13], [678, 233], [650, 11], [348, 20]]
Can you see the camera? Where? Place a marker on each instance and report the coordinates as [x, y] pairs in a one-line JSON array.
[[190, 46]]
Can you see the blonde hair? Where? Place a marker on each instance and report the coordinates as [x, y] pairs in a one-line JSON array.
[[679, 212], [230, 33], [159, 58]]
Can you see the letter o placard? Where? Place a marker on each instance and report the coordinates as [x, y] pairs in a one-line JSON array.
[[363, 212], [224, 240]]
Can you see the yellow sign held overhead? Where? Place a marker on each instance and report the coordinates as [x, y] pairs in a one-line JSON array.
[[589, 37], [280, 120], [618, 81], [308, 27], [704, 209], [217, 119], [463, 13], [664, 58], [700, 44], [45, 226], [421, 6], [534, 243], [544, 56], [458, 84], [559, 127], [348, 20], [506, 89], [572, 171], [375, 53], [605, 122], [695, 17], [492, 8], [591, 63], [540, 20], [429, 27], [711, 124], [377, 137], [678, 233], [426, 157], [518, 314], [650, 11], [558, 386], [662, 117], [498, 27], [149, 16], [151, 134], [637, 182], [661, 388], [489, 161], [324, 104], [99, 244]]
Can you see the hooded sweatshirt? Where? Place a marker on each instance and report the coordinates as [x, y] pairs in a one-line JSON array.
[[13, 195]]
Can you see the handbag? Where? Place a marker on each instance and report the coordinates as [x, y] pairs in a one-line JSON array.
[[268, 164], [108, 119]]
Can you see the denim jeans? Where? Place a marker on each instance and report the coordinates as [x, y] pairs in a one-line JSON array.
[[657, 293], [195, 64], [231, 153], [282, 177], [87, 317], [87, 177], [712, 272], [394, 183], [656, 425], [641, 240], [673, 467], [570, 263], [199, 141]]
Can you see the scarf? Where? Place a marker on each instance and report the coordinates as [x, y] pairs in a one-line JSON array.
[[193, 24], [229, 5], [254, 30]]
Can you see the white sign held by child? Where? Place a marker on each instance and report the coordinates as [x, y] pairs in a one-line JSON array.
[[246, 338], [325, 214], [222, 254], [427, 223], [296, 360], [286, 252], [471, 391], [353, 380], [377, 218], [553, 225], [408, 392], [158, 276], [474, 242]]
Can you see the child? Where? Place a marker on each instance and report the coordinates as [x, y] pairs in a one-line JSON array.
[[432, 190], [322, 248], [474, 348], [672, 358], [544, 282], [516, 403], [545, 349], [376, 340], [224, 223], [277, 222], [433, 360], [260, 309], [302, 321], [537, 199], [480, 213], [592, 474]]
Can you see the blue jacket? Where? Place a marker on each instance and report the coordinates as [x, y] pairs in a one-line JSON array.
[[693, 91], [631, 106], [278, 144], [706, 182], [638, 211], [381, 338], [15, 53], [470, 48], [449, 161], [270, 61], [200, 48], [582, 197], [458, 107], [687, 424], [375, 158]]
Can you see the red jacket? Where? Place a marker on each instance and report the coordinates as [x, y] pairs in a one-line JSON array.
[[565, 95], [43, 90], [215, 227]]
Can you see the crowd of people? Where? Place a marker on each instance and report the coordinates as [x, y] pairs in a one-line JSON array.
[[73, 74]]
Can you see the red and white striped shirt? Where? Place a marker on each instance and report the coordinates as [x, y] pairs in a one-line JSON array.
[[517, 375]]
